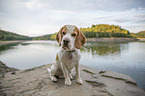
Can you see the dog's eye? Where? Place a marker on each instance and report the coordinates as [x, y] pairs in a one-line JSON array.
[[73, 34], [63, 33]]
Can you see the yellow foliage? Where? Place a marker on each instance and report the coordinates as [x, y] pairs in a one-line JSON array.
[[53, 37]]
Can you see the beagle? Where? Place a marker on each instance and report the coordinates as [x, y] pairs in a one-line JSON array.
[[70, 40]]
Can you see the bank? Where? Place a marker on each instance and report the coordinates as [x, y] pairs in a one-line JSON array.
[[88, 39], [36, 82], [10, 42], [112, 39]]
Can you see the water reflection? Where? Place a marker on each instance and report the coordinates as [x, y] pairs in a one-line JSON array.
[[7, 46], [103, 49], [47, 43]]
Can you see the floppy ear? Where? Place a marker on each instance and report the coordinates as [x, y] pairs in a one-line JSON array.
[[59, 37], [80, 40]]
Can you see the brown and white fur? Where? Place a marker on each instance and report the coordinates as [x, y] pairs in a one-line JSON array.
[[70, 40]]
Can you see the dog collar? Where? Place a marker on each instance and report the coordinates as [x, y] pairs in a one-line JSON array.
[[72, 51]]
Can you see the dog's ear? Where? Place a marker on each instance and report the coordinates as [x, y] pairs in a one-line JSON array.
[[59, 36], [80, 39]]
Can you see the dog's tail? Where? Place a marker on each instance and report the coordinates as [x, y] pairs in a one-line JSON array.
[[49, 70]]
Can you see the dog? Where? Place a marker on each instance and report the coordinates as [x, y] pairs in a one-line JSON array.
[[70, 40]]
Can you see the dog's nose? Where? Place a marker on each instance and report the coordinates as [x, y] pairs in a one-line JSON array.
[[66, 41]]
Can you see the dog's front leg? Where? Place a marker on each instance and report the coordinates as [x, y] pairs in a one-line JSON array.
[[78, 77], [66, 74]]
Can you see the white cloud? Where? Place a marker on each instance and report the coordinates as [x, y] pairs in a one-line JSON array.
[[39, 17], [34, 4]]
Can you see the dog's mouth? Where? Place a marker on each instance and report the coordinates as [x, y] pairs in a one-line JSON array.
[[67, 48]]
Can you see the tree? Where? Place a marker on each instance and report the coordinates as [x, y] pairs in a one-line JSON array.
[[2, 37], [93, 26]]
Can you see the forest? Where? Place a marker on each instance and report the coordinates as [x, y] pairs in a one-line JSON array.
[[105, 30], [6, 35]]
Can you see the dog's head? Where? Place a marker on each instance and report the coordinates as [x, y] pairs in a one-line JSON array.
[[70, 37]]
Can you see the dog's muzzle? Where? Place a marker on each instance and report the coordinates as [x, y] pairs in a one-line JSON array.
[[66, 42]]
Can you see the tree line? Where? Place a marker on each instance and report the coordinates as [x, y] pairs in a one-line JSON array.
[[45, 37]]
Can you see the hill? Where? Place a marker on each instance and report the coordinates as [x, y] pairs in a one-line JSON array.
[[6, 35], [141, 34], [105, 30], [95, 31]]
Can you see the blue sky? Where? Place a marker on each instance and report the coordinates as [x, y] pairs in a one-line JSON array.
[[40, 17]]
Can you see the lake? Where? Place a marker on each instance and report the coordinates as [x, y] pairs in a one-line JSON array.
[[126, 58]]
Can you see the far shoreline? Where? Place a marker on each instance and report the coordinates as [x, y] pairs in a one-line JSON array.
[[112, 39], [10, 42], [88, 39]]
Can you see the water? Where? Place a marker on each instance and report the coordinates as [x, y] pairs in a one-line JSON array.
[[126, 58]]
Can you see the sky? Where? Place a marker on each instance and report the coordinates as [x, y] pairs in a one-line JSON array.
[[41, 17]]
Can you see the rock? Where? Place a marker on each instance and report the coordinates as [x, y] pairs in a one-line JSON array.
[[4, 69], [102, 71], [36, 82]]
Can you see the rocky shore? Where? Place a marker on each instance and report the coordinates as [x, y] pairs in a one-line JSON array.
[[36, 82], [4, 69], [112, 39]]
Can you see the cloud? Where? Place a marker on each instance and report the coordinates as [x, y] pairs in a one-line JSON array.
[[34, 4], [139, 18], [85, 5], [39, 17]]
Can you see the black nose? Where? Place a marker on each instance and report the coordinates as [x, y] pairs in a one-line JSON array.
[[66, 41]]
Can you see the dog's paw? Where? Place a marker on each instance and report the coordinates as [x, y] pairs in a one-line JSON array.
[[67, 82], [79, 81], [49, 70], [53, 78], [70, 76]]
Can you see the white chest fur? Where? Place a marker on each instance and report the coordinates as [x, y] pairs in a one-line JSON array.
[[70, 59]]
